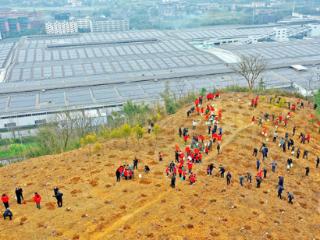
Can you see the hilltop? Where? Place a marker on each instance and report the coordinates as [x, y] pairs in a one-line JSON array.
[[96, 207]]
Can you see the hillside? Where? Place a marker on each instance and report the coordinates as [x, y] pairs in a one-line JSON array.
[[97, 207]]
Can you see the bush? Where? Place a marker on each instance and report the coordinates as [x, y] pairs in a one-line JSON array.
[[235, 88], [136, 113], [97, 147], [88, 139]]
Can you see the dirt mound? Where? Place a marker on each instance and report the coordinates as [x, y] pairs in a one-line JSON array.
[[95, 206]]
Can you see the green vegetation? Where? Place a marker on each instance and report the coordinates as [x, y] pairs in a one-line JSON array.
[[317, 101], [72, 131], [17, 148]]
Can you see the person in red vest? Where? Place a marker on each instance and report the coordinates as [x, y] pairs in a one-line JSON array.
[[190, 165], [119, 173], [252, 102], [184, 173], [201, 138], [37, 199], [167, 170], [308, 137], [180, 171], [206, 150], [192, 178], [126, 174], [5, 200], [185, 138]]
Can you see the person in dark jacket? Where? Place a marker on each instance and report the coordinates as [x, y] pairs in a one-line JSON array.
[[58, 195], [290, 197], [229, 178], [173, 181], [280, 189], [281, 181], [7, 213], [222, 171], [19, 195], [255, 152], [146, 169], [135, 163], [307, 171]]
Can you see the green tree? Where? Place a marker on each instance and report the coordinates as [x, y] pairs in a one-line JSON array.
[[156, 131]]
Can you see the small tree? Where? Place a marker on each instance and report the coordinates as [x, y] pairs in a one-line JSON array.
[[156, 131], [170, 102], [317, 101], [139, 131], [126, 131], [250, 67], [203, 91]]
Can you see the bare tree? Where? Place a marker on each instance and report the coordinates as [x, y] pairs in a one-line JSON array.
[[250, 67]]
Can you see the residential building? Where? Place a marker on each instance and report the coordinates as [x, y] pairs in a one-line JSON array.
[[61, 27], [84, 24], [109, 25]]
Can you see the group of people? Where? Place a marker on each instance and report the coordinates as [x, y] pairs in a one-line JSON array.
[[212, 117], [20, 200], [126, 171], [199, 144]]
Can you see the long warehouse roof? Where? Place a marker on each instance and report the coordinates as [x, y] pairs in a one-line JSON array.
[[51, 73]]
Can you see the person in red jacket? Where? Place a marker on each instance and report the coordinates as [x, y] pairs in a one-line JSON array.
[[37, 199], [5, 200]]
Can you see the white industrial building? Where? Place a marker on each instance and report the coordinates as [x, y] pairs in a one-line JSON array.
[[99, 72], [281, 34]]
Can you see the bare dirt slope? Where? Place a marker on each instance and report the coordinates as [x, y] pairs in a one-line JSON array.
[[96, 207]]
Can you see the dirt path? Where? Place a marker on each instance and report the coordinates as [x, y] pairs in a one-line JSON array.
[[121, 221]]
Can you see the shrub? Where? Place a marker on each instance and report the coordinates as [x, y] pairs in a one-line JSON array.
[[88, 139], [97, 147]]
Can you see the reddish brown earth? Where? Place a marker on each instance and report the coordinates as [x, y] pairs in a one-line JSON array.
[[96, 207]]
